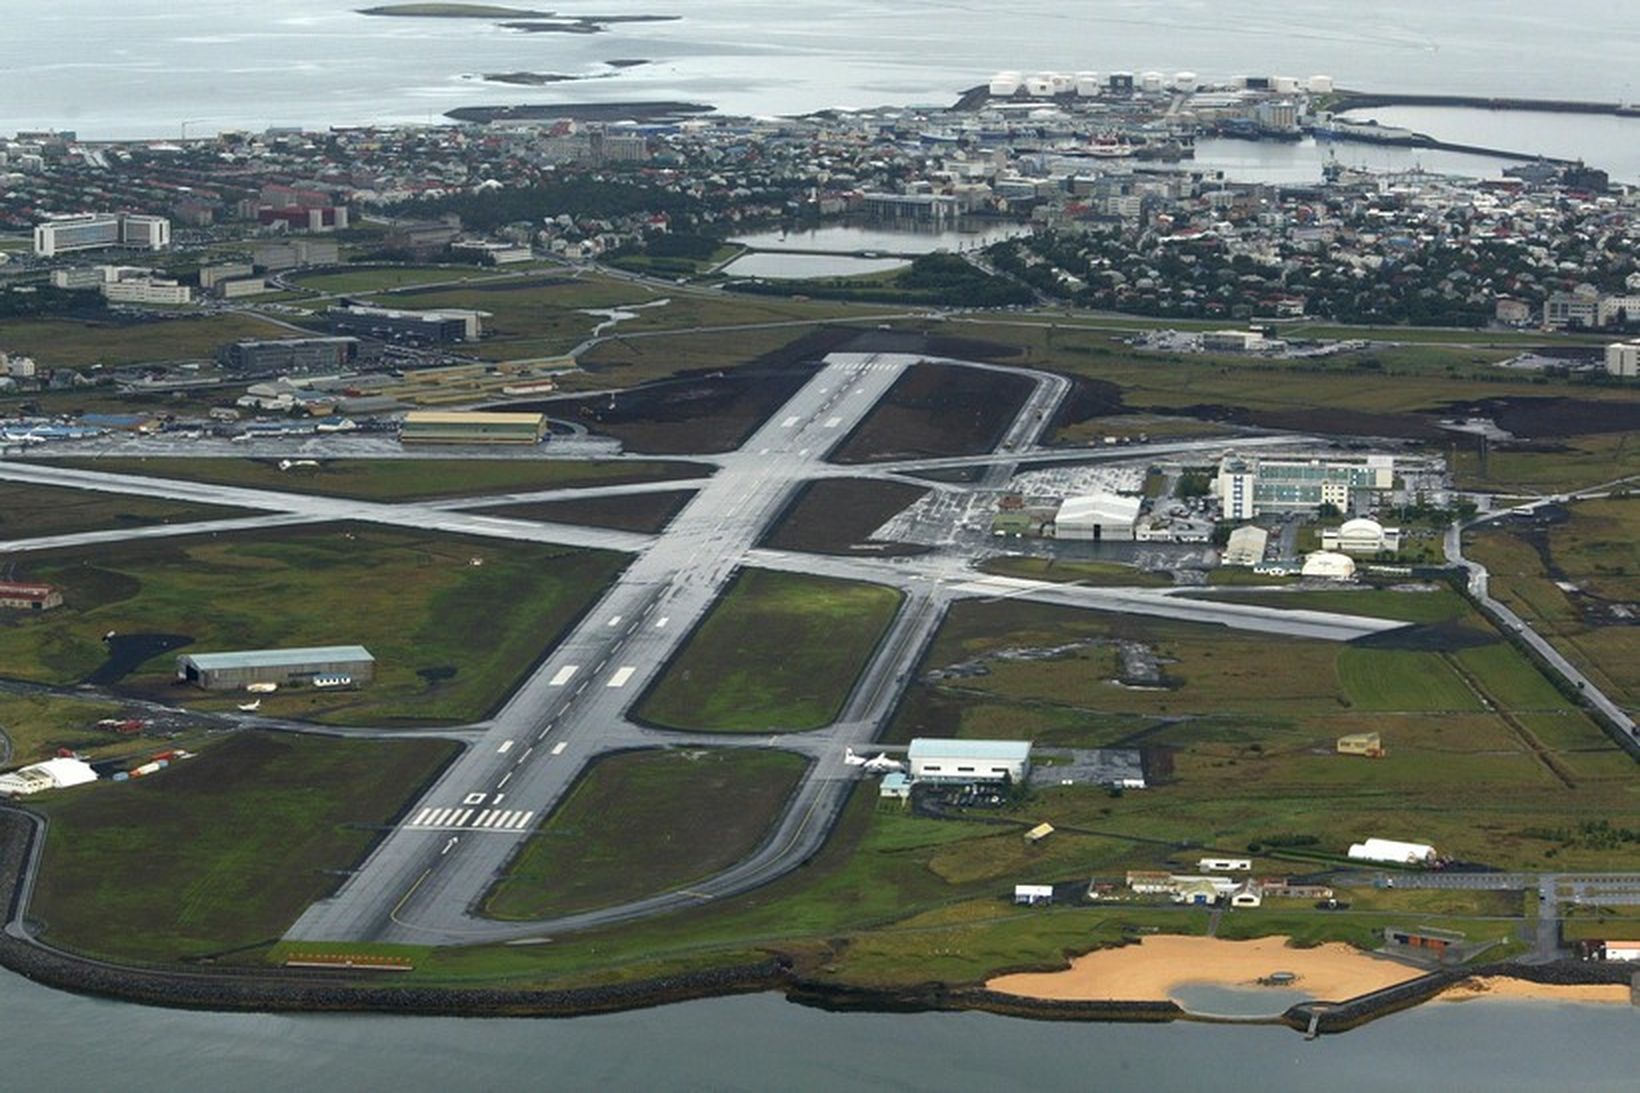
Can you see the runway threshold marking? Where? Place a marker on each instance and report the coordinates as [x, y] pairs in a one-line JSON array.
[[621, 676], [564, 675]]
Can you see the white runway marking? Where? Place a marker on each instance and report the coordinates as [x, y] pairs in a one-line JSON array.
[[660, 623], [505, 778], [558, 748], [461, 819], [565, 674], [833, 422], [421, 817], [621, 676], [615, 620], [505, 747], [789, 422], [473, 799]]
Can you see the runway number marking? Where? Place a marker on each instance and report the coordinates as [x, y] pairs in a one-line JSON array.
[[565, 674], [621, 676]]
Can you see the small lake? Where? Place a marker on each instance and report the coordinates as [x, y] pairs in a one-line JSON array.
[[788, 267], [863, 237]]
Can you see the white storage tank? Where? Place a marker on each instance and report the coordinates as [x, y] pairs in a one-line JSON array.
[[1321, 85], [1063, 83], [1039, 87], [1238, 83], [1152, 81], [1185, 81], [1283, 85], [1005, 84], [1087, 84]]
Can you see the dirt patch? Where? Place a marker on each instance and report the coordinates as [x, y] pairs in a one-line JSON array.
[[642, 512], [1440, 637], [936, 410], [1088, 399], [837, 515], [127, 652], [1551, 417], [700, 412]]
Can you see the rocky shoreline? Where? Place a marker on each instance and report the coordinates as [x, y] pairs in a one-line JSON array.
[[321, 991]]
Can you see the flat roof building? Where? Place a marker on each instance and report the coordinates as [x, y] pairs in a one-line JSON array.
[[1623, 359], [289, 354], [96, 231], [940, 760], [471, 427], [232, 670], [1248, 487], [419, 327]]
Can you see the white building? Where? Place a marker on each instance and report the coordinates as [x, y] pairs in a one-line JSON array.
[[1392, 852], [1361, 536], [52, 774], [1328, 565], [1232, 341], [1248, 487], [99, 230], [1246, 546], [147, 290], [940, 760], [1225, 865], [1032, 894], [1097, 516], [1618, 309], [1623, 359]]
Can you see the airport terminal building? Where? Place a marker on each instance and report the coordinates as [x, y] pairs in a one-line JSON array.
[[232, 671]]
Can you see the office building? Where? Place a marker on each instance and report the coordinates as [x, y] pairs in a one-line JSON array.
[[98, 231]]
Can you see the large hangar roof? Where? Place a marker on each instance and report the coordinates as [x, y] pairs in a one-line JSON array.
[[278, 658], [1098, 508]]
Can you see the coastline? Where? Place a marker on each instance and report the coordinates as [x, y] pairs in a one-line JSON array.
[[1497, 987]]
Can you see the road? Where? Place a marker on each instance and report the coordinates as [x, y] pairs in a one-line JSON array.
[[423, 882], [1613, 714]]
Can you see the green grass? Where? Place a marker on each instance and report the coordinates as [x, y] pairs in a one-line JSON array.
[[29, 511], [37, 725], [219, 852], [1395, 679], [69, 343], [450, 638], [370, 279], [1432, 606], [645, 822], [1094, 574], [400, 479], [779, 652]]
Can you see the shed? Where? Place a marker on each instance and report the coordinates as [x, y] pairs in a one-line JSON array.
[[940, 760], [232, 670], [1039, 832], [1361, 743], [895, 784]]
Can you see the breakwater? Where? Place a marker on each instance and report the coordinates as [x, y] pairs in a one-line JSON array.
[[1362, 100]]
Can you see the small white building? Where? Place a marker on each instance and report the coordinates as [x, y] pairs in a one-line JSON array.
[[1247, 895], [1328, 565], [1620, 950], [1031, 895], [894, 785], [51, 774], [1362, 535], [1096, 517], [1225, 865], [939, 760], [1392, 852], [1623, 359], [1246, 546]]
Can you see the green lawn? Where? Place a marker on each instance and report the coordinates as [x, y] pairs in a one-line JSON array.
[[29, 511], [369, 279], [450, 638], [70, 343], [1397, 679], [37, 725], [400, 479], [780, 652], [644, 822], [220, 852]]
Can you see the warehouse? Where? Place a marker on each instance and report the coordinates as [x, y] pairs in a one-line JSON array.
[[229, 671], [1098, 517], [416, 327], [29, 597], [471, 427], [937, 760], [1392, 852], [1246, 546]]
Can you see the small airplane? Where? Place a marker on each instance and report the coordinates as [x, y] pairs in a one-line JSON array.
[[250, 707], [881, 764]]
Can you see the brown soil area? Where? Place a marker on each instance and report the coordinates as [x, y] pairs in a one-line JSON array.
[[645, 512], [835, 516], [936, 410], [1552, 417]]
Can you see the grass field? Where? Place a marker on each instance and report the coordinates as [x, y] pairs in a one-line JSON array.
[[220, 852], [1093, 574], [400, 479], [1596, 557], [644, 822], [29, 511], [68, 343], [37, 725], [450, 638], [779, 652], [839, 515], [370, 279]]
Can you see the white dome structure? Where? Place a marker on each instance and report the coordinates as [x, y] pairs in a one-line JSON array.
[[1329, 566], [1362, 535]]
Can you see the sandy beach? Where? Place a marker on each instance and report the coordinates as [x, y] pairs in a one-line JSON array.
[[1498, 986], [1152, 969]]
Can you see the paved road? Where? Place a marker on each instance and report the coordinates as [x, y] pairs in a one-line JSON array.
[[1613, 714]]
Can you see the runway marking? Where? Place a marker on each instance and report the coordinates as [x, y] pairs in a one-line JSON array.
[[421, 816], [484, 818], [660, 623], [805, 451], [833, 422], [523, 757], [763, 451], [558, 748], [449, 846], [504, 779], [565, 674], [615, 620], [632, 628], [789, 422], [523, 821], [473, 799], [459, 820], [505, 747], [621, 676]]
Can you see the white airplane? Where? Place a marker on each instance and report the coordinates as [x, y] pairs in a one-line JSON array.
[[882, 764], [250, 707]]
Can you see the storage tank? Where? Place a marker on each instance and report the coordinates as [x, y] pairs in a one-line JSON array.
[[1087, 84], [1283, 85], [1185, 81], [1321, 85], [1039, 86], [1063, 83], [1152, 81], [1004, 85]]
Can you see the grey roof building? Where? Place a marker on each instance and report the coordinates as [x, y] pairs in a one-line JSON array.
[[232, 670]]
